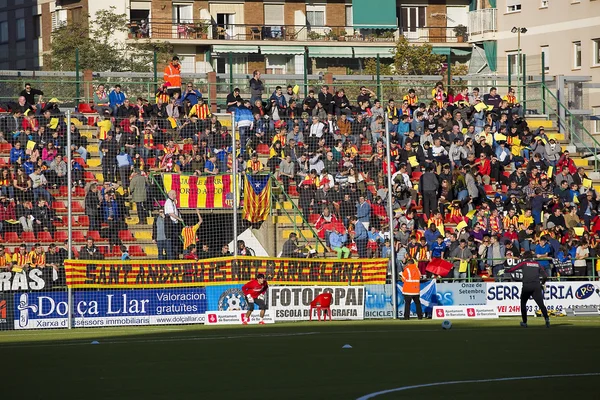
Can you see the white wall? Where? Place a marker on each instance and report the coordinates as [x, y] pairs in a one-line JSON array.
[[120, 8]]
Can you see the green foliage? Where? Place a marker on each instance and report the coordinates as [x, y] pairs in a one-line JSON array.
[[371, 67], [416, 60], [97, 49]]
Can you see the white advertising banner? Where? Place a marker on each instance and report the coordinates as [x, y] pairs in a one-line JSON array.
[[464, 312], [559, 296], [292, 303], [235, 317]]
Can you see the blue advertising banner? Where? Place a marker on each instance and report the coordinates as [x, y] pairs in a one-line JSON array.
[[461, 294], [226, 298], [378, 300], [43, 310]]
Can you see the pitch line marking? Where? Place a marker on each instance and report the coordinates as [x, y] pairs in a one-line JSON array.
[[514, 378]]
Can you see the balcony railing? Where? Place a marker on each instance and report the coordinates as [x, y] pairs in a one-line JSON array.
[[209, 30], [482, 21]]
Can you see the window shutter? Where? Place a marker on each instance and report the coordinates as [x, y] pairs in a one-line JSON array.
[[273, 14]]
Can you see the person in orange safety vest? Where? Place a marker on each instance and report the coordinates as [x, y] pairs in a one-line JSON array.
[[172, 76], [411, 288]]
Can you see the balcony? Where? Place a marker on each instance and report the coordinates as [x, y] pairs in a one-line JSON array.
[[482, 25], [205, 30]]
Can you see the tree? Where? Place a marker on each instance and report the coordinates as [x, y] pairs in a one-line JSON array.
[[98, 51], [371, 67], [416, 60]]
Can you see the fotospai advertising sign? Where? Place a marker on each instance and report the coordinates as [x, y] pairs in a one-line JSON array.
[[465, 312]]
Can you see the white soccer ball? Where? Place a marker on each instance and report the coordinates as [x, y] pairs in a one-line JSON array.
[[446, 325]]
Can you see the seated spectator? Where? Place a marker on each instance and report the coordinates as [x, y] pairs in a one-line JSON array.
[[337, 241]]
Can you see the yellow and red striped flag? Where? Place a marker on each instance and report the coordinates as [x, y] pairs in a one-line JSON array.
[[257, 197], [201, 191]]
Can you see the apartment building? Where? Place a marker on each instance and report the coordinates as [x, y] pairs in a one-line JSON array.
[[565, 32], [20, 32], [275, 35]]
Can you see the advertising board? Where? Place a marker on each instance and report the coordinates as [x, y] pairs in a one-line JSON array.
[[464, 312], [43, 310]]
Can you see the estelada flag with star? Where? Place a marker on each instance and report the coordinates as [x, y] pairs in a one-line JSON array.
[[257, 197]]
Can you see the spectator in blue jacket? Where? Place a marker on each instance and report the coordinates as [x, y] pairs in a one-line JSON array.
[[279, 97], [244, 120], [431, 235], [543, 253], [438, 248], [17, 152], [116, 99], [337, 241], [363, 211], [192, 95]]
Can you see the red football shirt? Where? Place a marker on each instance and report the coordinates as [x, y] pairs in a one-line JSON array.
[[255, 289]]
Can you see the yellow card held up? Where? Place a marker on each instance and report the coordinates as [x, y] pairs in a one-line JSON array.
[[461, 225], [30, 145], [587, 182], [53, 123], [550, 171], [516, 141], [579, 230], [463, 266], [441, 229], [575, 199], [296, 89], [480, 107], [471, 213], [413, 161], [490, 108], [499, 137]]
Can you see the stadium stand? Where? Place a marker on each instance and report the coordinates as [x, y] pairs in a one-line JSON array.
[[472, 162]]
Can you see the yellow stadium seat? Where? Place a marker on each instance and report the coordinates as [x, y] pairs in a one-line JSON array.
[[581, 162], [151, 250], [94, 162], [225, 121], [536, 123], [99, 177], [143, 235], [286, 205], [556, 136], [88, 133], [93, 148], [285, 219], [305, 233]]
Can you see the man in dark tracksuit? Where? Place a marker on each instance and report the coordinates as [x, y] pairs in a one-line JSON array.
[[428, 186], [531, 273]]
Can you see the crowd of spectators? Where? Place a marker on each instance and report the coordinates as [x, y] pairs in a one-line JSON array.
[[468, 158]]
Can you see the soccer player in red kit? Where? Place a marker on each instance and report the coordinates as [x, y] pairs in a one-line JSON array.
[[255, 293]]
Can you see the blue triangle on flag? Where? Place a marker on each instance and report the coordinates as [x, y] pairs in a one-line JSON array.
[[258, 182]]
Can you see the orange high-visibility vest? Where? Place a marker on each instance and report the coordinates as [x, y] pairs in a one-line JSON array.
[[411, 277], [172, 75]]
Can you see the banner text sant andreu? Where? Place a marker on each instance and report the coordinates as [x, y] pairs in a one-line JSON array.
[[217, 271]]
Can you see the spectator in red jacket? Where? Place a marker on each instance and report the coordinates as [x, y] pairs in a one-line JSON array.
[[484, 168]]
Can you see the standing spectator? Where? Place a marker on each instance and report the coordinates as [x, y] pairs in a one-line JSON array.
[[116, 99], [58, 167], [101, 101], [172, 224], [159, 234], [92, 207], [172, 76], [363, 211], [543, 254], [29, 94], [286, 172], [137, 189], [109, 149], [124, 163], [581, 255], [461, 255], [256, 87], [428, 187], [360, 237]]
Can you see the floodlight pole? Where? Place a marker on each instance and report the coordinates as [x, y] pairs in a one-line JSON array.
[[69, 215]]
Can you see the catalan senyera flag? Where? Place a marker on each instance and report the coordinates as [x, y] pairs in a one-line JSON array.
[[257, 197], [201, 191]]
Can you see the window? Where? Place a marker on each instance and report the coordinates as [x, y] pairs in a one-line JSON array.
[[4, 32], [596, 54], [512, 59], [513, 6], [21, 29], [596, 118], [37, 26], [276, 64], [412, 18], [576, 54], [273, 14], [183, 13], [59, 18], [544, 3], [546, 56], [315, 15]]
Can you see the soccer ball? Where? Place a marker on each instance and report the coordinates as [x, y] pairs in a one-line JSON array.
[[446, 325]]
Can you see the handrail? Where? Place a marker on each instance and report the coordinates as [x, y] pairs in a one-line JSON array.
[[571, 120], [304, 221]]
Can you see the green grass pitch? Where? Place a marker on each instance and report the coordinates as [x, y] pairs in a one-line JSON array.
[[305, 361]]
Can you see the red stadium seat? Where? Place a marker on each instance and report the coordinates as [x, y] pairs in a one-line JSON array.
[[61, 236], [84, 220], [89, 176], [366, 149], [489, 189], [11, 237], [321, 303], [151, 162], [45, 237], [28, 237], [80, 161], [126, 236], [187, 148], [85, 108], [5, 147], [59, 221], [76, 207], [79, 192], [263, 149], [293, 191], [416, 175], [78, 237], [96, 236], [136, 251], [59, 206], [313, 218]]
